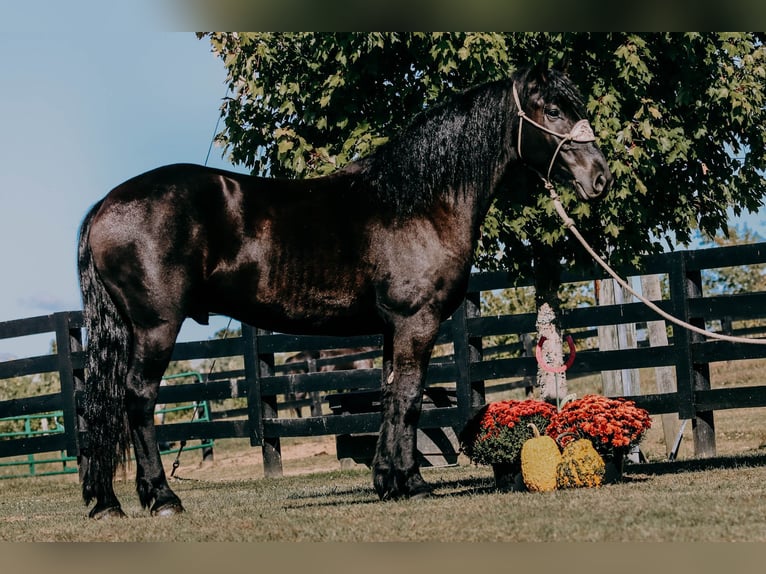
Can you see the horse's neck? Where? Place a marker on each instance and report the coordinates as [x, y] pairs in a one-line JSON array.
[[482, 199], [466, 212]]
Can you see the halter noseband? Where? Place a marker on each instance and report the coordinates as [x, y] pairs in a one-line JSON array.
[[581, 132]]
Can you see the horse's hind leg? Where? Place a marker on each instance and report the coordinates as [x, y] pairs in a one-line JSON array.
[[151, 354], [107, 505]]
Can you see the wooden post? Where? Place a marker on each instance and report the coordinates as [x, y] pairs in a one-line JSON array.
[[253, 378], [470, 394], [690, 377], [664, 376], [614, 337], [626, 338], [703, 424], [611, 385], [258, 365], [68, 341], [475, 348], [681, 337]]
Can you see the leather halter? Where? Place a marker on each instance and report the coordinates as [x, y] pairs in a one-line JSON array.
[[581, 132]]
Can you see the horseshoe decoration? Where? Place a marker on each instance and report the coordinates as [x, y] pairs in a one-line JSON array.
[[545, 366]]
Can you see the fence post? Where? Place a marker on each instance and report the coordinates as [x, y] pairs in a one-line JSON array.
[[703, 424], [616, 337], [665, 376], [68, 341], [470, 394], [681, 341], [258, 365], [689, 376], [253, 378]]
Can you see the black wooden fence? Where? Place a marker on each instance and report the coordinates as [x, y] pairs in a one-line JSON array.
[[467, 372]]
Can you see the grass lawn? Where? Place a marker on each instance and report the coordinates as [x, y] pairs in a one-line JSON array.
[[674, 504]]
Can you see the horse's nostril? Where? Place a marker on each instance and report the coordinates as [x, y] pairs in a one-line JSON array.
[[600, 184]]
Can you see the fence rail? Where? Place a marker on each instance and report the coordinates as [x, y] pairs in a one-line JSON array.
[[468, 370]]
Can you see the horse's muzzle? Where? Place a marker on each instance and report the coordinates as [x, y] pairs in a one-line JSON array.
[[596, 187]]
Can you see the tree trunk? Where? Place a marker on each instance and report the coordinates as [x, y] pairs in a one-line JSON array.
[[552, 386], [528, 350]]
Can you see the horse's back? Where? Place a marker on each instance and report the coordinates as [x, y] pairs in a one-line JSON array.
[[302, 256], [284, 254]]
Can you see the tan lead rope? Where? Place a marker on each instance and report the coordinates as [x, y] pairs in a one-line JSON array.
[[569, 224]]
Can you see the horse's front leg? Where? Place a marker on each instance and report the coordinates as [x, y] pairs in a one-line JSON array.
[[152, 354], [407, 350]]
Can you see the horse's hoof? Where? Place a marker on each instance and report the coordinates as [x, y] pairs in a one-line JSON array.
[[384, 484], [420, 493], [111, 512], [418, 489], [170, 509], [411, 495]]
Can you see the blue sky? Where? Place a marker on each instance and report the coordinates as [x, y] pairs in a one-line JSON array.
[[84, 106]]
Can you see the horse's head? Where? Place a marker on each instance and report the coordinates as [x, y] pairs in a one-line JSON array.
[[553, 137]]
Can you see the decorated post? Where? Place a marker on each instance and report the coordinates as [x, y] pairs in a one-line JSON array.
[[551, 382]]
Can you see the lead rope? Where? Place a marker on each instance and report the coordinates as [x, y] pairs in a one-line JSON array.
[[569, 224]]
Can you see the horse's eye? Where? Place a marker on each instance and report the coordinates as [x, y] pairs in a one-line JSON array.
[[553, 113]]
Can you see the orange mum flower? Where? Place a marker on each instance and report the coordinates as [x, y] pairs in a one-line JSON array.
[[497, 432], [608, 422]]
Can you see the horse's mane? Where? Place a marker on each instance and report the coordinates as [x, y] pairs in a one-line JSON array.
[[448, 146], [555, 87], [455, 145]]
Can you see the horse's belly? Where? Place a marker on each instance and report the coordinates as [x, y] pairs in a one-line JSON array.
[[306, 312], [327, 324]]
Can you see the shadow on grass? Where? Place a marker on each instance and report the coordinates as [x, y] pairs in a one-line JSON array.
[[477, 486], [473, 486], [328, 496], [697, 464], [356, 495]]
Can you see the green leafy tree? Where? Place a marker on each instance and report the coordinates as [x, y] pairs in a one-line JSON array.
[[679, 116]]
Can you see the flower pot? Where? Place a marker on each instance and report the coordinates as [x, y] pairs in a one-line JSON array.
[[614, 460], [508, 477]]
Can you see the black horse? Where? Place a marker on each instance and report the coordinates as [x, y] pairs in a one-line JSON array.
[[383, 245]]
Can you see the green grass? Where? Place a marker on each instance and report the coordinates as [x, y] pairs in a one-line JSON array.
[[716, 504]]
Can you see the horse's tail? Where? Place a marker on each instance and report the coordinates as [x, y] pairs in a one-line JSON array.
[[109, 343]]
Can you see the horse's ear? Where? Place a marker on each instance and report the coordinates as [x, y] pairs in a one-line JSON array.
[[539, 73]]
